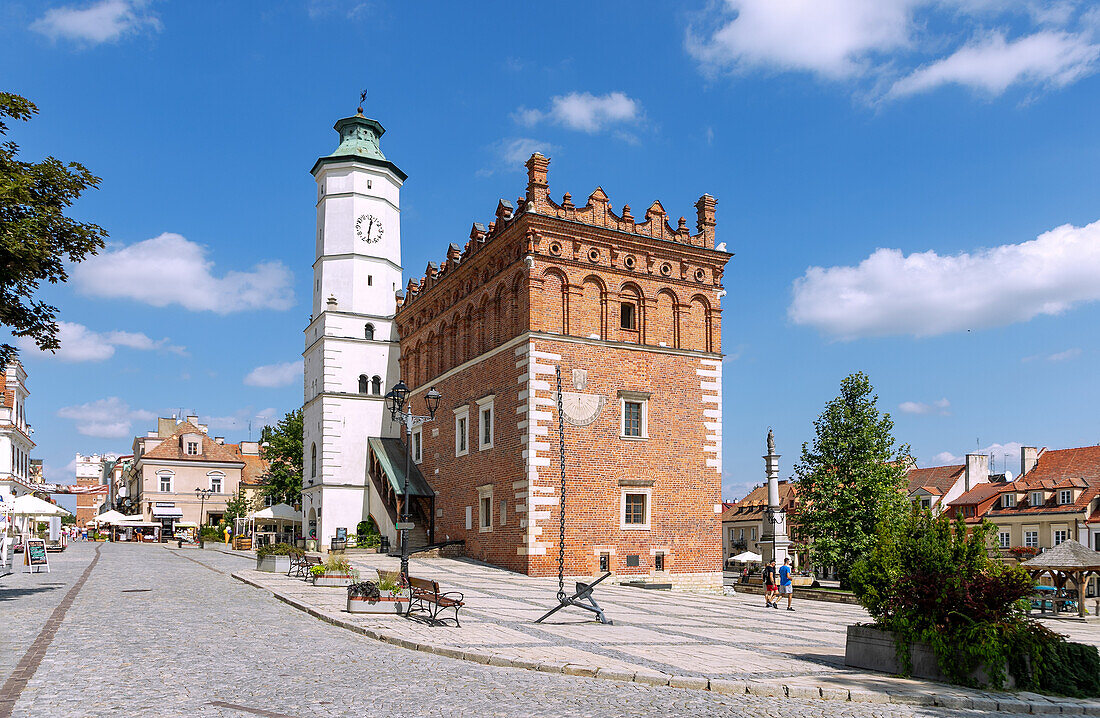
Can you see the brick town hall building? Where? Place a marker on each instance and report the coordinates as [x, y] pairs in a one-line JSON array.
[[631, 312]]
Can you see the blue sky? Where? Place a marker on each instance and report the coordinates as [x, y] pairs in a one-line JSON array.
[[909, 188]]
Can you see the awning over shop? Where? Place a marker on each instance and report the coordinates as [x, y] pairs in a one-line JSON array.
[[391, 455], [167, 512]]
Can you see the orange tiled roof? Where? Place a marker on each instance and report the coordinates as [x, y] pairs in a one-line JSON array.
[[936, 480], [171, 447], [1077, 468], [980, 493], [757, 500], [255, 468]]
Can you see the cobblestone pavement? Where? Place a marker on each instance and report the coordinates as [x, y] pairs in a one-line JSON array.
[[158, 632], [656, 633]]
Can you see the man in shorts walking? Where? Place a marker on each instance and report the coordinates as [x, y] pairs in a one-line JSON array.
[[770, 588], [786, 587]]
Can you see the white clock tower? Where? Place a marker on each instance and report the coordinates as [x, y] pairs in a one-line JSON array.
[[351, 346]]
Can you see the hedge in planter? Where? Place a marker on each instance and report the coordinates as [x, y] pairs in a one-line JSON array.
[[929, 580], [275, 558]]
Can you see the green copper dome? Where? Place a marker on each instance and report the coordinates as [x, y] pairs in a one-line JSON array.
[[359, 136]]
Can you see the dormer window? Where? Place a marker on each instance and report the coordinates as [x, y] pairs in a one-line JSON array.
[[1065, 496], [1008, 501], [1036, 498], [191, 448]]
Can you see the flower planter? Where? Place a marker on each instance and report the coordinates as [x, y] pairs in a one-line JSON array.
[[389, 603], [273, 564], [333, 579], [874, 649]]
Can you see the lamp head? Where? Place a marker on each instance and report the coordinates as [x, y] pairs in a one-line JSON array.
[[432, 399]]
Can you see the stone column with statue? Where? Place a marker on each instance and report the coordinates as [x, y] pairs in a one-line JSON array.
[[774, 542]]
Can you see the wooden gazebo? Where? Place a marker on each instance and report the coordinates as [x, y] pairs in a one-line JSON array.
[[1068, 561]]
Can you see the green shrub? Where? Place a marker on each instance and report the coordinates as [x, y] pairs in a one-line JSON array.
[[335, 564], [276, 549], [928, 579]]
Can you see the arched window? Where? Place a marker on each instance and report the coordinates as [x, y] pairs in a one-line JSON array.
[[376, 385], [313, 462], [363, 381], [368, 331]]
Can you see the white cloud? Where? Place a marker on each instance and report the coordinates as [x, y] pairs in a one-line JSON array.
[[925, 294], [80, 344], [109, 418], [170, 269], [1057, 356], [103, 21], [941, 407], [584, 111], [275, 375], [510, 154], [946, 458], [835, 39], [244, 419], [993, 64], [895, 48]]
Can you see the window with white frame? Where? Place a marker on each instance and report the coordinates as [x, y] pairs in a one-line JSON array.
[[752, 534], [417, 444], [192, 448], [634, 412], [485, 508], [635, 509], [1004, 539], [164, 479], [217, 479], [1008, 500], [1036, 498], [1060, 535], [1031, 539], [1065, 496], [485, 423], [462, 430]]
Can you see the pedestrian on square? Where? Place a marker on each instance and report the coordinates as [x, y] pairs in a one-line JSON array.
[[770, 588], [786, 586]]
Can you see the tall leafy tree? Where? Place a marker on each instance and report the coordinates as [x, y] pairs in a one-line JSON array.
[[284, 456], [36, 238], [851, 479]]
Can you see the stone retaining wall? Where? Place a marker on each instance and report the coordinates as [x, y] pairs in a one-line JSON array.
[[806, 594]]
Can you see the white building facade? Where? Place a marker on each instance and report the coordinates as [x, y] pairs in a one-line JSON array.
[[351, 347], [15, 433]]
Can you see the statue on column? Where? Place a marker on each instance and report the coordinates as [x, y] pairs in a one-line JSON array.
[[774, 542]]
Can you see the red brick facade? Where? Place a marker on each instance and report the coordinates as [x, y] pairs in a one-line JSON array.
[[545, 287]]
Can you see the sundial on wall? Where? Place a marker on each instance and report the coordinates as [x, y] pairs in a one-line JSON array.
[[578, 408]]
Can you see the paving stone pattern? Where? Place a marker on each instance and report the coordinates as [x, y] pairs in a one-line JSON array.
[[198, 643]]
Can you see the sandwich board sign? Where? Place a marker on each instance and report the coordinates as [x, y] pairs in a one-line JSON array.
[[34, 555]]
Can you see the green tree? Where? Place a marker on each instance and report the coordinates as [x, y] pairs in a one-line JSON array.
[[283, 452], [237, 507], [851, 479], [36, 238]]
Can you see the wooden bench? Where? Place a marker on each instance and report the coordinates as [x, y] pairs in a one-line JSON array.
[[301, 563], [428, 600]]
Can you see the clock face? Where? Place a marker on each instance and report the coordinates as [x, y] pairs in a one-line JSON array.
[[368, 228]]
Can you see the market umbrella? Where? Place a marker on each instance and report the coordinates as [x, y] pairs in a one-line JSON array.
[[28, 505], [108, 517], [748, 557]]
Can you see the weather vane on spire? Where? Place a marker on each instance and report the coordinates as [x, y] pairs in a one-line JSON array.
[[362, 99]]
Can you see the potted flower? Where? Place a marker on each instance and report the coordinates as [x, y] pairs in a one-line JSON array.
[[274, 558], [383, 596], [335, 571]]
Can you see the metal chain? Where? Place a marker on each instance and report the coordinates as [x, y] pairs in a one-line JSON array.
[[561, 499]]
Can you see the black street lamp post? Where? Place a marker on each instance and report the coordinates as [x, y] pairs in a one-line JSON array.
[[397, 398], [202, 494]]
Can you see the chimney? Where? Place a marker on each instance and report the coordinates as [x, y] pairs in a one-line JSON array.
[[165, 427], [219, 440], [977, 470], [1029, 456], [193, 420]]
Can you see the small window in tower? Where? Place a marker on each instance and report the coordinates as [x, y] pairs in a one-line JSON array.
[[368, 331], [628, 316], [370, 280], [368, 184], [376, 385], [363, 382]]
